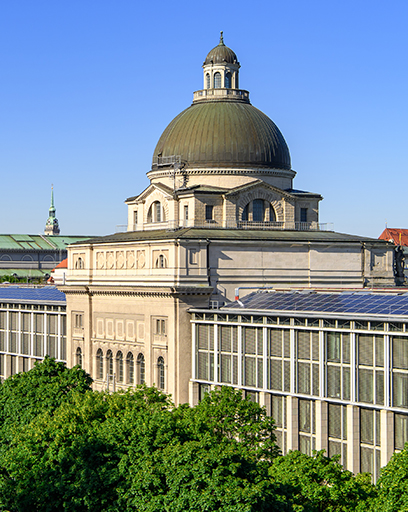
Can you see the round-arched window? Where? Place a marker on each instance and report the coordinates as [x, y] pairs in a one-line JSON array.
[[130, 363], [228, 80], [79, 357], [119, 366], [109, 363], [217, 80], [207, 81], [160, 373], [99, 364], [141, 369]]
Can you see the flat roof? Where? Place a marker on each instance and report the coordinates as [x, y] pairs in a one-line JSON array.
[[347, 304], [32, 294]]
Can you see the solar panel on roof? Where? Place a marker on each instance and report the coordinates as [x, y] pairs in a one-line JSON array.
[[353, 302], [46, 294]]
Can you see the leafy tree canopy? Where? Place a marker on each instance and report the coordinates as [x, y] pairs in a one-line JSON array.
[[44, 388], [392, 485], [318, 483]]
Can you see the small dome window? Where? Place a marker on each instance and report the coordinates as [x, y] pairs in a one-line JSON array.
[[207, 81], [156, 213], [217, 80], [228, 80]]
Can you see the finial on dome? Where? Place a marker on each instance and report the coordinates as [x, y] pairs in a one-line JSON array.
[[221, 38]]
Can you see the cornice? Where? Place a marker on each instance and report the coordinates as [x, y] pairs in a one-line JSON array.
[[198, 171]]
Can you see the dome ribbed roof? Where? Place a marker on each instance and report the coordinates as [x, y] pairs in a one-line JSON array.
[[224, 134], [221, 54]]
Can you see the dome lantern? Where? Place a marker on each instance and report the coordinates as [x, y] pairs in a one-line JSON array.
[[221, 68]]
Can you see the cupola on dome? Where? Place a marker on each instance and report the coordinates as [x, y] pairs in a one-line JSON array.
[[221, 54]]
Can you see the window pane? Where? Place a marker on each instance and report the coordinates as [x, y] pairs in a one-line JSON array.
[[400, 352], [258, 210], [365, 386]]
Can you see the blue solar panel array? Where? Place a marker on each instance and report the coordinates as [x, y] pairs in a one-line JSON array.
[[39, 295], [313, 302]]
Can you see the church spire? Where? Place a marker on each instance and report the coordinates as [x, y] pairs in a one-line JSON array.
[[51, 226]]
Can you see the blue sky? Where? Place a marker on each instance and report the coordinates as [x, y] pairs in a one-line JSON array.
[[87, 87]]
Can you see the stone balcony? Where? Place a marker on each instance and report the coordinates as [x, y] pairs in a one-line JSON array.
[[211, 224], [221, 95]]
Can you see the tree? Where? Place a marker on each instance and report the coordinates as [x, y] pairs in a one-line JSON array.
[[135, 451], [318, 483], [42, 389], [392, 486]]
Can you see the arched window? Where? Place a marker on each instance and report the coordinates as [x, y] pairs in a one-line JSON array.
[[207, 80], [141, 369], [258, 210], [79, 264], [109, 363], [119, 366], [228, 80], [161, 261], [130, 363], [99, 364], [156, 213], [79, 357], [160, 373], [217, 80]]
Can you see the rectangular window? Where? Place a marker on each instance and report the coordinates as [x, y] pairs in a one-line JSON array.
[[78, 320], [186, 212], [160, 326], [135, 218], [303, 215], [209, 212], [400, 431]]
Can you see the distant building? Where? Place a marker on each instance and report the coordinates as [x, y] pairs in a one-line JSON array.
[[52, 226], [32, 257], [399, 237]]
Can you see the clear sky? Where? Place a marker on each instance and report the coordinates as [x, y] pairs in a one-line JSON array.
[[88, 86]]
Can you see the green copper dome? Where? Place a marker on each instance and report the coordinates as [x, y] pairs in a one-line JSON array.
[[224, 134]]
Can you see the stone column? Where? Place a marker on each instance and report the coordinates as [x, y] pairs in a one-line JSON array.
[[265, 401], [353, 438], [292, 421], [321, 410], [387, 436]]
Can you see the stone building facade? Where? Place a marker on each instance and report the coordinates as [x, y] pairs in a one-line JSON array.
[[220, 212]]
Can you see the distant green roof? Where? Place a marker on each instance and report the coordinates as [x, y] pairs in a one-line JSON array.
[[24, 272], [25, 242]]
